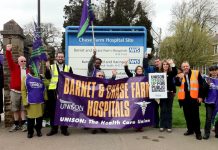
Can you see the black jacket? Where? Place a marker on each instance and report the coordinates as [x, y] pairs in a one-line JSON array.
[[171, 80]]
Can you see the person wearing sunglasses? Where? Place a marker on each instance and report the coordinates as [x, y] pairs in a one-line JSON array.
[[17, 72]]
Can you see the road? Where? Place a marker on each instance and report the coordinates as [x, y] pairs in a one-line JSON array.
[[79, 139]]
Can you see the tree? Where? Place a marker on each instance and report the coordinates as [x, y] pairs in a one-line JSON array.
[[188, 43], [124, 12], [129, 12], [143, 20], [50, 36], [203, 12], [49, 33], [73, 13], [105, 12], [111, 13], [191, 32]]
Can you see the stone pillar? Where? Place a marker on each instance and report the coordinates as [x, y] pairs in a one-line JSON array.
[[13, 33]]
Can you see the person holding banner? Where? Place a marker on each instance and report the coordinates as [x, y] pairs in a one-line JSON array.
[[153, 68], [210, 101], [94, 65], [139, 71], [190, 95], [52, 72], [100, 74], [166, 105], [17, 71], [33, 92]]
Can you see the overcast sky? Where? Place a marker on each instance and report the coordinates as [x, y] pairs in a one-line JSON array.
[[24, 11]]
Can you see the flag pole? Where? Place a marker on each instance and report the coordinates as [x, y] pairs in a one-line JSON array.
[[93, 35]]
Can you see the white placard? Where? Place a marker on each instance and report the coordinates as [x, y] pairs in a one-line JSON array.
[[149, 50], [157, 85]]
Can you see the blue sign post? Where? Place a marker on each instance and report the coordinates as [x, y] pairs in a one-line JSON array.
[[114, 44]]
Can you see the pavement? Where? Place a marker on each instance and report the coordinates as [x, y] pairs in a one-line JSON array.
[[126, 139]]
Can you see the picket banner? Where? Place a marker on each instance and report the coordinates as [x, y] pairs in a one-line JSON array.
[[89, 102]]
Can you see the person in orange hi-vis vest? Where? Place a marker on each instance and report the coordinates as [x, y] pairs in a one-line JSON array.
[[190, 96]]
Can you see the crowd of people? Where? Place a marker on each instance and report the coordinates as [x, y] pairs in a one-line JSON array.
[[28, 107]]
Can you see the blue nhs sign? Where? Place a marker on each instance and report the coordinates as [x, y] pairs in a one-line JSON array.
[[114, 44], [134, 50], [134, 61]]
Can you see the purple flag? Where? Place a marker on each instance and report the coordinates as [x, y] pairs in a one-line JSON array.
[[87, 17], [38, 53]]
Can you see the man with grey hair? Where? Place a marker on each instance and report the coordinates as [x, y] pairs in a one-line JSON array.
[[190, 96], [17, 72]]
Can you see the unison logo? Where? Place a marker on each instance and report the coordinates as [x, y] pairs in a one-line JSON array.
[[143, 106], [70, 106], [35, 85]]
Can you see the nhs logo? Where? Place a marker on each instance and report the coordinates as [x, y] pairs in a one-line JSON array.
[[134, 50], [134, 61]]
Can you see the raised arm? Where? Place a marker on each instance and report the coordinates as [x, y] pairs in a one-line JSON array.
[[173, 66], [145, 62], [114, 74], [48, 70], [91, 61], [126, 68], [10, 60]]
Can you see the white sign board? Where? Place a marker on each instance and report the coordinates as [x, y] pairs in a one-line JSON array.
[[157, 85], [114, 45], [113, 57]]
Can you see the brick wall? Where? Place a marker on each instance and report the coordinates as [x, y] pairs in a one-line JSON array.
[[13, 33]]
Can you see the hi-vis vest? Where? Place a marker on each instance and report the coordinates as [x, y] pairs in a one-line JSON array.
[[194, 86], [54, 78]]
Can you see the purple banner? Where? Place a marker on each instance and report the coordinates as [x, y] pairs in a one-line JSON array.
[[89, 102], [1, 58]]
